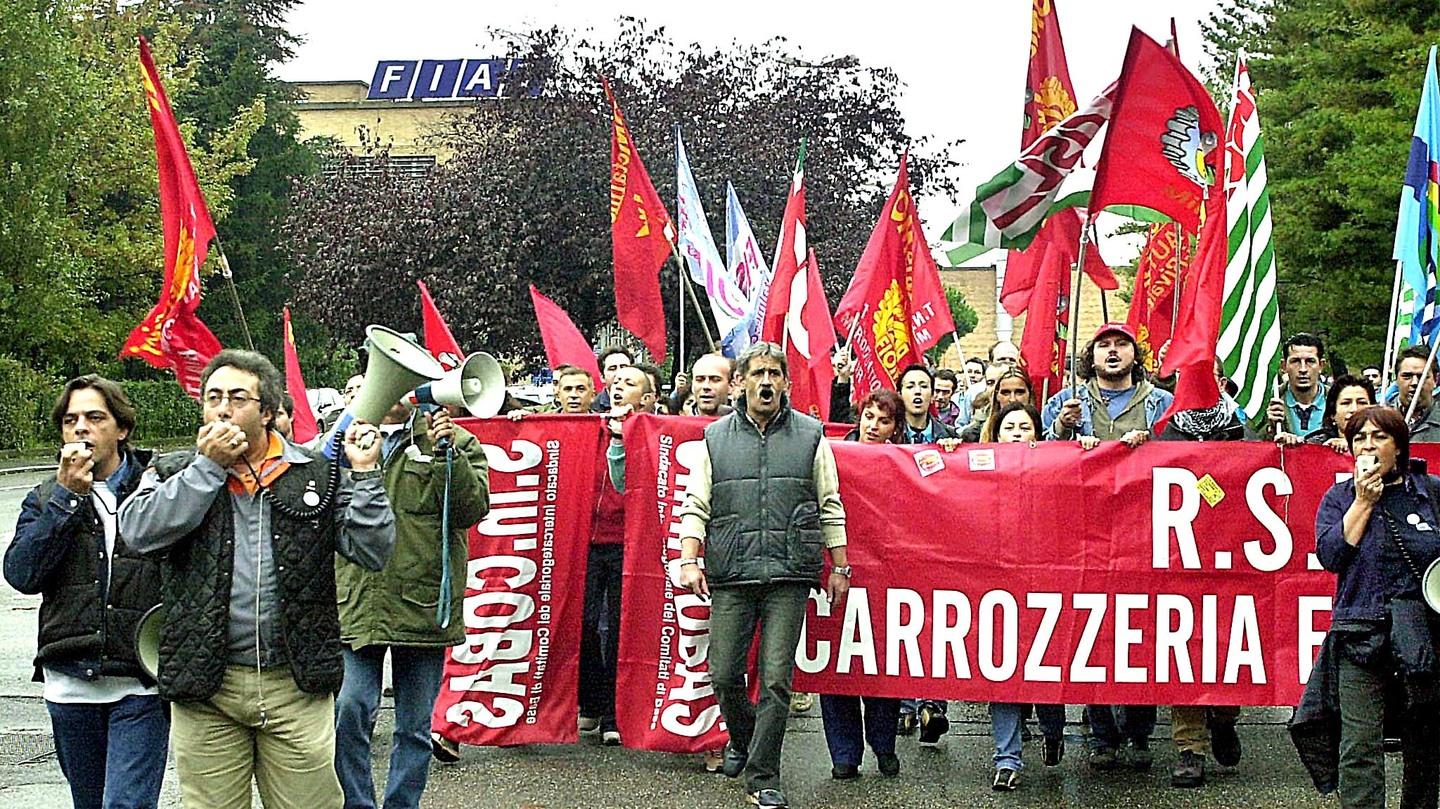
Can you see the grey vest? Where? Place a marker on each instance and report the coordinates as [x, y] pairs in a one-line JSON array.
[[764, 516]]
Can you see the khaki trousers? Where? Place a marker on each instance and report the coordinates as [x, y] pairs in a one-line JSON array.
[[1190, 725], [223, 743]]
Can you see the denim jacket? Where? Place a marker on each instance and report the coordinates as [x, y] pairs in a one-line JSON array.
[[1154, 400]]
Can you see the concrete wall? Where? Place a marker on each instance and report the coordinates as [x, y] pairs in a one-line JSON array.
[[340, 110], [978, 286]]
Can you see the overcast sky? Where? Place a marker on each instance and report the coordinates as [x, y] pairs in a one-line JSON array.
[[962, 63]]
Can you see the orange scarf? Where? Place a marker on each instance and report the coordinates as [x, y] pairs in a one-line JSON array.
[[271, 467]]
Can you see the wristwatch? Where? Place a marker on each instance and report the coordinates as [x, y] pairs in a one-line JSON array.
[[843, 570]]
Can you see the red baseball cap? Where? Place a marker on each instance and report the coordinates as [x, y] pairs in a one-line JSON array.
[[1116, 328]]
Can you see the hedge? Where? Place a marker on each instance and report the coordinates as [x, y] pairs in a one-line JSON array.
[[26, 396]]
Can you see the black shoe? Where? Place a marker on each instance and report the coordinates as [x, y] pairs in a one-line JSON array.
[[1140, 756], [889, 764], [444, 750], [844, 772], [1103, 759], [1054, 751], [1006, 780], [906, 724], [933, 725], [1225, 744], [734, 762], [1189, 771], [767, 799]]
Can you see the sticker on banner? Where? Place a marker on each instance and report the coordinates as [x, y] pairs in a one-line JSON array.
[[928, 461], [1210, 490], [982, 460]]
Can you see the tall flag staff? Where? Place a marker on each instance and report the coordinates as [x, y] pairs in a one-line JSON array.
[[1417, 228]]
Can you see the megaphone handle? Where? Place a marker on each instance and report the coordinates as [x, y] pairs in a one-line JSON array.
[[442, 604]]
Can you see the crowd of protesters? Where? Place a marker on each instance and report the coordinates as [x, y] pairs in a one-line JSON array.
[[271, 653]]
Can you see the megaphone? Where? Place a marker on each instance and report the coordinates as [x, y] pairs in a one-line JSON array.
[[396, 365], [147, 640], [478, 386], [1430, 585]]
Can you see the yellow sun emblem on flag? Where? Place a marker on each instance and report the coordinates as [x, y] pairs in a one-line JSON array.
[[892, 332], [1052, 103]]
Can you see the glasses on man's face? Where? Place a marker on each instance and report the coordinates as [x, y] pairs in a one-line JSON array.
[[238, 398]]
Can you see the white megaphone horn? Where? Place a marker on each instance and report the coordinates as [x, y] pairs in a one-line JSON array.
[[1430, 585], [395, 365], [478, 386]]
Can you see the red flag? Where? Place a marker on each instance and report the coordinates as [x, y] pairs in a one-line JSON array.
[[563, 342], [1152, 306], [1161, 148], [809, 337], [171, 335], [1042, 346], [790, 258], [895, 307], [1197, 328], [302, 420], [438, 340], [1021, 277], [641, 237]]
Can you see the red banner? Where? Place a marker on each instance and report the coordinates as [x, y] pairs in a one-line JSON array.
[[514, 679]]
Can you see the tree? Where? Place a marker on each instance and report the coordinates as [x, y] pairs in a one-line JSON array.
[[80, 237], [526, 195], [1338, 85], [965, 319]]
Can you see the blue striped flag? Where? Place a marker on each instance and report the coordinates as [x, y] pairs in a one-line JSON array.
[[1418, 225]]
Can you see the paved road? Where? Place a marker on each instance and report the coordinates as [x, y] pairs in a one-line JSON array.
[[588, 775]]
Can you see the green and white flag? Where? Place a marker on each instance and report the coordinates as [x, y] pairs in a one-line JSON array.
[[1249, 346], [1010, 207]]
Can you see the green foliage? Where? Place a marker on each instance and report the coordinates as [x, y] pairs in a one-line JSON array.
[[165, 412], [526, 196], [1338, 85], [25, 399], [965, 317]]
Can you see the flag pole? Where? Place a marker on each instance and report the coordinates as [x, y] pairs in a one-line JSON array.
[[234, 294], [1075, 307], [694, 300], [1424, 377], [1391, 339], [1104, 302], [680, 302]]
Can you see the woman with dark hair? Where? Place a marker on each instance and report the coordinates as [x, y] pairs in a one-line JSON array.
[[1347, 396], [1019, 422], [850, 722], [1377, 532]]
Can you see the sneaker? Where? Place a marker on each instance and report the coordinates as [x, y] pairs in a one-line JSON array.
[[610, 738], [889, 764], [906, 725], [589, 724], [801, 702], [767, 799], [1225, 744], [1140, 756], [844, 772], [1103, 759], [1054, 751], [444, 750], [1006, 780], [1189, 771], [734, 762], [714, 760], [933, 726]]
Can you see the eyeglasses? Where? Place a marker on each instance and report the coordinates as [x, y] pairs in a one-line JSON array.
[[238, 398]]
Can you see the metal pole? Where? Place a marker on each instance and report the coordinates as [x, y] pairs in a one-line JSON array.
[[234, 293], [690, 285], [1392, 343], [680, 302], [1423, 380], [1075, 311]]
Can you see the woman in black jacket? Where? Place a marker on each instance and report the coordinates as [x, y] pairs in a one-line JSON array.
[[1347, 396]]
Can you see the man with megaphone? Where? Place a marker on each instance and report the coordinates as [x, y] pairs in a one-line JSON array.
[[246, 526], [411, 608]]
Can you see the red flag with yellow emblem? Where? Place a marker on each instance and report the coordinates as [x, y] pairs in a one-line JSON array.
[[895, 307], [1152, 306], [171, 335], [641, 237]]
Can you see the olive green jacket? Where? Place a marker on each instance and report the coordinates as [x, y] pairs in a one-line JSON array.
[[395, 606]]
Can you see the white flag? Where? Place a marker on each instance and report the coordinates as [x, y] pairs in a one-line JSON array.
[[727, 302]]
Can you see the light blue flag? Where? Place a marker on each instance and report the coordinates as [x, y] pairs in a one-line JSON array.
[[746, 265], [1418, 224]]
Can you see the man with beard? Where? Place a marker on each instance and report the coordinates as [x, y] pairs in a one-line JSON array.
[[947, 410], [761, 562], [1417, 381], [1302, 407], [1116, 402], [710, 383]]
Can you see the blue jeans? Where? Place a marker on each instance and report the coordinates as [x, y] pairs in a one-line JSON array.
[[913, 706], [416, 674], [1134, 723], [846, 732], [113, 753], [1005, 725]]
